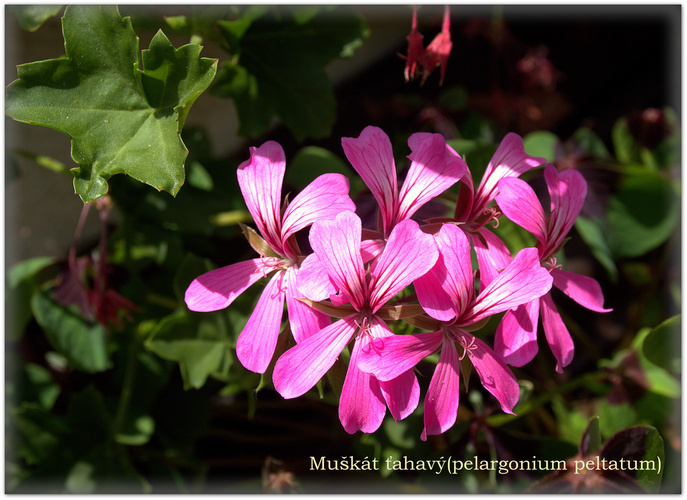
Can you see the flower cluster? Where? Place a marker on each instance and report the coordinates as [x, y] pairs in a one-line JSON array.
[[421, 60], [342, 298]]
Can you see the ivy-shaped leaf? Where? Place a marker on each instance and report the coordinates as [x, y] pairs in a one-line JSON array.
[[197, 342], [278, 68], [122, 117]]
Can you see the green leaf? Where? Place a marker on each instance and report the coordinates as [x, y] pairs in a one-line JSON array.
[[38, 385], [27, 269], [198, 177], [279, 69], [641, 216], [662, 346], [642, 445], [615, 417], [571, 422], [44, 161], [626, 149], [197, 341], [22, 280], [84, 345], [32, 17], [121, 116], [590, 142], [541, 143], [37, 432], [591, 438], [659, 380], [592, 232], [311, 162]]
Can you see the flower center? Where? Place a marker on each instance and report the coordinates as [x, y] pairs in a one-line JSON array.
[[467, 347], [551, 264], [490, 214]]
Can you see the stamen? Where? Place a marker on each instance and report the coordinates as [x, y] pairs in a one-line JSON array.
[[488, 215], [364, 327], [552, 264], [492, 214], [268, 262], [467, 348]]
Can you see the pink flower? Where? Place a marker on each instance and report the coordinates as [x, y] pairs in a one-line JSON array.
[[509, 160], [439, 49], [447, 294], [260, 180], [434, 167], [516, 338], [474, 210], [416, 50], [408, 254]]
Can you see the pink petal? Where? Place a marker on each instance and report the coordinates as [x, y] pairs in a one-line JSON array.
[[337, 245], [493, 255], [584, 290], [260, 180], [432, 296], [256, 343], [516, 336], [371, 155], [217, 289], [389, 357], [442, 398], [435, 167], [522, 281], [557, 334], [304, 320], [402, 394], [312, 280], [302, 366], [567, 190], [509, 160], [323, 198], [466, 196], [455, 275], [495, 376], [517, 201], [361, 405], [370, 249], [409, 253]]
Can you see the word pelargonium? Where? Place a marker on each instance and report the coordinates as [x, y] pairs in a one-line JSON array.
[[414, 270]]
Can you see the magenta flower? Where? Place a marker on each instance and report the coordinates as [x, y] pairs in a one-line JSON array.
[[439, 49], [447, 294], [416, 50], [260, 180], [516, 338], [408, 254], [474, 210], [434, 167]]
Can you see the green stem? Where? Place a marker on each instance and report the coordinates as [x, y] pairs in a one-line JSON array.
[[127, 388]]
